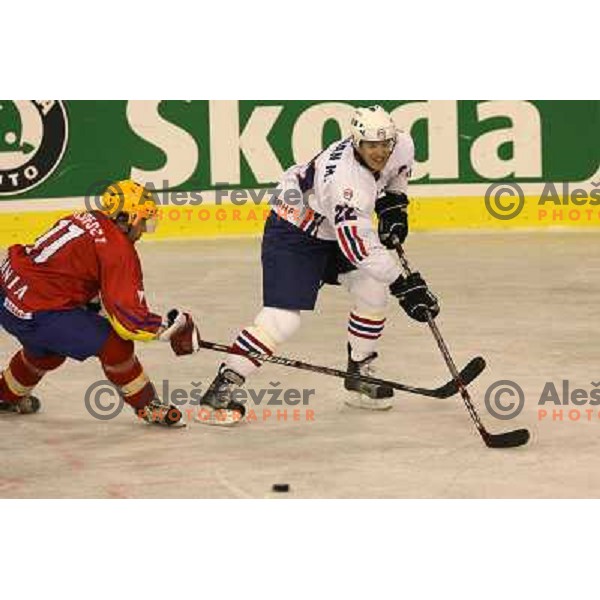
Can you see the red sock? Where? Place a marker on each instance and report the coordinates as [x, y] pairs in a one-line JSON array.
[[24, 372], [121, 367]]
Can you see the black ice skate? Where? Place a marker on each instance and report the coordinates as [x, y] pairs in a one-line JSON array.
[[369, 396], [157, 413], [25, 406], [216, 406]]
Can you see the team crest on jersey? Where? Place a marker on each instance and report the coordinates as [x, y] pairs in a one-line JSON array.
[[33, 140], [348, 194]]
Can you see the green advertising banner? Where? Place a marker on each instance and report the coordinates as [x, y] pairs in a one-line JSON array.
[[54, 149]]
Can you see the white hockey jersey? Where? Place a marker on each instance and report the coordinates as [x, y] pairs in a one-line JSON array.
[[333, 198]]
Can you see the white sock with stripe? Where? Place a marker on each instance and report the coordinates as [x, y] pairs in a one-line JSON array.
[[272, 327], [364, 332], [367, 320]]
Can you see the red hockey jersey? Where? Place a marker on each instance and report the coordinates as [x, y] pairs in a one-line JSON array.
[[81, 256]]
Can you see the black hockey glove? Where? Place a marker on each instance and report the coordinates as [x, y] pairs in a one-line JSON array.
[[393, 220], [415, 297]]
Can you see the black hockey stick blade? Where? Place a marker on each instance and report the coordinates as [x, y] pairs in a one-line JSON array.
[[470, 372], [510, 439]]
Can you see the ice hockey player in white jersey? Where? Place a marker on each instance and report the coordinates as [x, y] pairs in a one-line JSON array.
[[320, 231]]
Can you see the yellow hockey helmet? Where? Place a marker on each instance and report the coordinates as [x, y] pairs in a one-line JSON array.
[[131, 199]]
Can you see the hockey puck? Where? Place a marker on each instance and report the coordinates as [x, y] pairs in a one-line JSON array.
[[281, 487]]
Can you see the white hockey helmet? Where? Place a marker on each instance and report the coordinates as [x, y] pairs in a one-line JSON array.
[[372, 124]]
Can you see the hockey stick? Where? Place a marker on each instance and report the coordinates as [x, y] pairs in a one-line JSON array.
[[468, 374], [510, 439]]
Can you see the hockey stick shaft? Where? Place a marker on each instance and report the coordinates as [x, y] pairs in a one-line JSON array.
[[447, 356], [444, 391], [509, 439]]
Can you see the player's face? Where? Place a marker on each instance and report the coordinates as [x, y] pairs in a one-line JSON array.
[[136, 231], [376, 154]]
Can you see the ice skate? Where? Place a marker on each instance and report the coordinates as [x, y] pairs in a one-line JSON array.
[[217, 406], [364, 395], [157, 413], [25, 406]]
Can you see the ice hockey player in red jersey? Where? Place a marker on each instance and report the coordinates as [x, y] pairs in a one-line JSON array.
[[47, 298]]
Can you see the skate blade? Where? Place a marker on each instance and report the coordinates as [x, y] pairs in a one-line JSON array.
[[366, 403], [219, 418], [178, 425]]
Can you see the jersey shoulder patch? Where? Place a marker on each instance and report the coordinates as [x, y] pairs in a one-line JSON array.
[[404, 150]]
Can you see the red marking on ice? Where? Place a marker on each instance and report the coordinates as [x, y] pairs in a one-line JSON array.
[[117, 490], [75, 463], [6, 483]]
